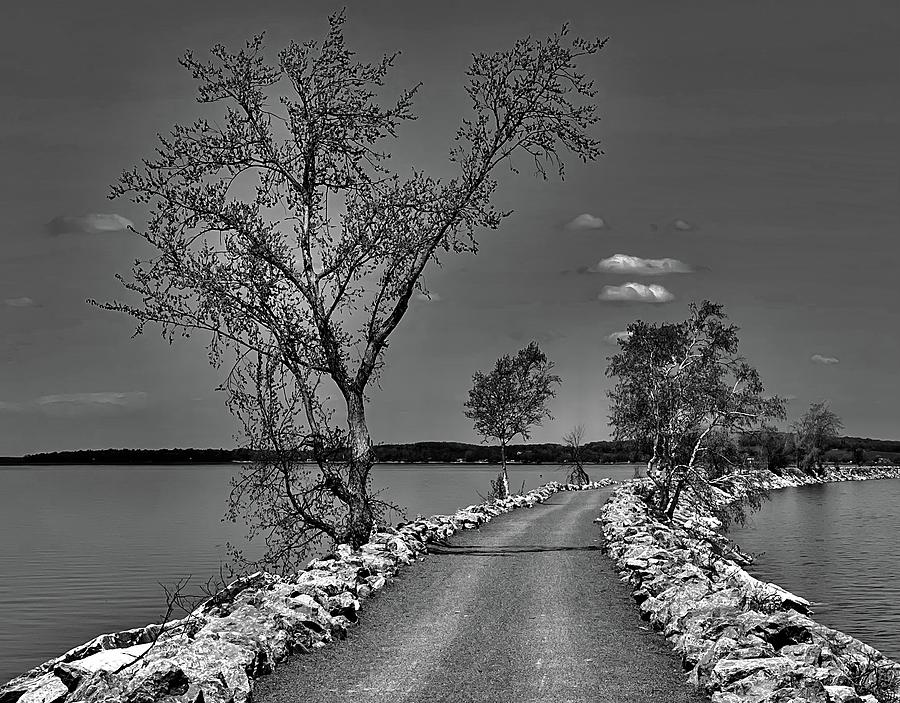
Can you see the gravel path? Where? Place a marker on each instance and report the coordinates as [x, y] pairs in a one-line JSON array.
[[525, 609]]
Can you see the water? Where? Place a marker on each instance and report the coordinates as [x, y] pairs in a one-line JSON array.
[[83, 549], [836, 545]]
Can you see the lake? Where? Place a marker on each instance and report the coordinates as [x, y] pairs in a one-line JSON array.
[[837, 545], [83, 549]]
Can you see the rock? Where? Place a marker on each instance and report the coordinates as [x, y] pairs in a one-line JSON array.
[[156, 680], [799, 692], [805, 653], [70, 674], [720, 697], [51, 690], [728, 671], [842, 694], [99, 687], [112, 659]]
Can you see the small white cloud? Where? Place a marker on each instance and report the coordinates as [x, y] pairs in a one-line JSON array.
[[587, 221], [683, 225], [636, 292], [95, 223], [624, 263], [23, 302], [617, 337], [824, 360], [428, 297]]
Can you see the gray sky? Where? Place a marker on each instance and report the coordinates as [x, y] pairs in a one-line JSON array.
[[755, 143]]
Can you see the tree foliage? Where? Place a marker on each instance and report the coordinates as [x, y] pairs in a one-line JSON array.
[[510, 399], [280, 231], [815, 430], [682, 388]]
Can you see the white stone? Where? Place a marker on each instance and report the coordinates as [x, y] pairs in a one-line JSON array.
[[112, 659]]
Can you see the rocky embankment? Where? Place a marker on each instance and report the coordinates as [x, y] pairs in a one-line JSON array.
[[245, 630], [743, 640]]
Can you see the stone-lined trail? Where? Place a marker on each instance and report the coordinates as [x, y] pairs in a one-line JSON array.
[[527, 608]]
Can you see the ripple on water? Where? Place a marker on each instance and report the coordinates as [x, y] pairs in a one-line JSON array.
[[837, 545]]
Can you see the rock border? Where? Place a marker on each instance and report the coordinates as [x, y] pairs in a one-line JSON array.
[[743, 640], [252, 625]]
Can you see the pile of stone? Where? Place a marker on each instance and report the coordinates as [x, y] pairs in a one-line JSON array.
[[214, 654], [743, 640]]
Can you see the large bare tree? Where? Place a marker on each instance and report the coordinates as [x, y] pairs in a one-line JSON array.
[[279, 229]]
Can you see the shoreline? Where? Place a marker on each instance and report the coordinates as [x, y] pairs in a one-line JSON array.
[[743, 640]]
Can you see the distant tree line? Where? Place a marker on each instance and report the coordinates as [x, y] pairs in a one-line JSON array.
[[546, 453], [844, 450], [133, 456]]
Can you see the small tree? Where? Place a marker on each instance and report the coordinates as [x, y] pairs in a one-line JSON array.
[[678, 386], [509, 400], [859, 456], [278, 229], [814, 430], [574, 456], [771, 449]]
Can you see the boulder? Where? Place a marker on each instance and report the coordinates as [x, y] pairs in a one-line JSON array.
[[110, 660], [156, 680], [842, 694], [45, 689], [727, 672]]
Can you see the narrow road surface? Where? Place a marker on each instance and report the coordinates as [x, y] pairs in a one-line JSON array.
[[525, 609]]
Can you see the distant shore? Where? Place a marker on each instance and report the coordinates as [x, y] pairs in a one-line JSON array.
[[839, 451]]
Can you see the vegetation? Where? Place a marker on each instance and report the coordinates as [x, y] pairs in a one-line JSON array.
[[574, 456], [814, 431], [280, 232], [683, 389], [511, 399]]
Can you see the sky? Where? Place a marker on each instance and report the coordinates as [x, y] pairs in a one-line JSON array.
[[751, 158]]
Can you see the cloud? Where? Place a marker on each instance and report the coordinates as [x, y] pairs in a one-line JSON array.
[[615, 337], [636, 292], [23, 302], [587, 221], [79, 404], [623, 263], [95, 223], [428, 297], [683, 225], [824, 360]]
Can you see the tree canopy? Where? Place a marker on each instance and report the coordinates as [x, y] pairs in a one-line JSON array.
[[511, 399], [815, 430], [681, 389]]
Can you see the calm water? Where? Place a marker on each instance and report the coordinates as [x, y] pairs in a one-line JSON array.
[[837, 545], [83, 549]]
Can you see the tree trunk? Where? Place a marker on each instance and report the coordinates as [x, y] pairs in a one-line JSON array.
[[503, 473], [360, 518], [670, 511]]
